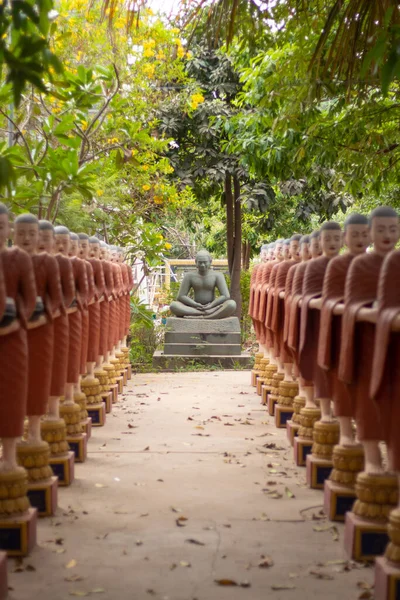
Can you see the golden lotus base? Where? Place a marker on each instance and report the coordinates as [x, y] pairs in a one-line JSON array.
[[13, 492], [114, 392], [292, 430], [308, 416], [377, 496], [338, 500], [78, 445], [125, 376], [348, 461], [63, 468], [129, 371], [260, 383], [35, 459], [264, 394], [71, 413], [364, 539], [325, 437], [317, 471], [54, 432], [3, 576], [299, 402], [18, 533], [254, 376], [283, 414], [43, 496]]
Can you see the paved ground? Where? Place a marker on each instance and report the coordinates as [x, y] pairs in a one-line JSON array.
[[189, 482]]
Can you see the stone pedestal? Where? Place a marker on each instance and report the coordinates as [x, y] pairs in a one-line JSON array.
[[3, 576], [211, 342]]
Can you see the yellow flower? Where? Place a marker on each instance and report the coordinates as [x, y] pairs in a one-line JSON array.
[[145, 187], [145, 167], [100, 192], [148, 53], [195, 100], [149, 70], [84, 125], [158, 199], [168, 246]]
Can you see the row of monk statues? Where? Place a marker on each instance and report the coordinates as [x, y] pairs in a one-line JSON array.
[[327, 323], [64, 322]]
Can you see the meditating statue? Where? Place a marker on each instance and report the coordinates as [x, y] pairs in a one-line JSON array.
[[205, 305]]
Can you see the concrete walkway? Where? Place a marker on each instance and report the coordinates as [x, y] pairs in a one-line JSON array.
[[189, 482]]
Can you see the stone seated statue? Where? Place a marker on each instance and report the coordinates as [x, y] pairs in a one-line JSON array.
[[204, 283]]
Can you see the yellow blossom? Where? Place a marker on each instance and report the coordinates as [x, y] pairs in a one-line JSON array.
[[149, 70], [148, 53], [168, 246], [158, 199], [100, 192], [145, 187], [195, 100], [84, 125], [145, 167]]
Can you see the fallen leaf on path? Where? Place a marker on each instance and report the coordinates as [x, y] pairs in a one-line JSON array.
[[365, 595], [193, 541], [144, 515], [100, 485], [74, 578], [225, 582], [286, 586], [184, 563], [265, 562], [79, 593], [199, 427], [30, 568], [72, 563], [98, 591], [146, 449], [363, 585], [321, 575], [229, 424], [176, 510], [139, 543], [289, 494], [60, 551], [180, 521]]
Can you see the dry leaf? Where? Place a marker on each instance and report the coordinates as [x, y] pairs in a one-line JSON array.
[[321, 575], [72, 563], [193, 541], [265, 562], [100, 485], [180, 521], [139, 543], [183, 563], [176, 510], [79, 593], [60, 551], [146, 449], [144, 515], [365, 595], [98, 591], [277, 588], [199, 427], [74, 578], [225, 582], [30, 568], [289, 494], [363, 585]]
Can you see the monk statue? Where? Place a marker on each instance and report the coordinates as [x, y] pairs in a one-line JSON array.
[[205, 305]]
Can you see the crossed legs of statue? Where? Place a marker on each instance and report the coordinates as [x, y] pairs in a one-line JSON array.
[[218, 312]]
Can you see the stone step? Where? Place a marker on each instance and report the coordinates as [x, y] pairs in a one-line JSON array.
[[171, 362], [229, 325], [203, 349], [173, 337]]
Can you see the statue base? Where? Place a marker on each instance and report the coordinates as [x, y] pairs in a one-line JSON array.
[[169, 362], [87, 427], [120, 383], [78, 445], [264, 395], [108, 401], [283, 414], [63, 468], [260, 383], [338, 500], [271, 402], [18, 533], [209, 342], [255, 374], [114, 393], [97, 413], [3, 576], [43, 496], [387, 580], [364, 539], [302, 447], [292, 429], [129, 371], [318, 470]]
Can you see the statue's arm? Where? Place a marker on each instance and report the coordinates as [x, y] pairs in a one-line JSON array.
[[183, 294], [220, 283]]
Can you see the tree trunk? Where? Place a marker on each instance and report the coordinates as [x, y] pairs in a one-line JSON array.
[[245, 256], [229, 220], [237, 249]]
